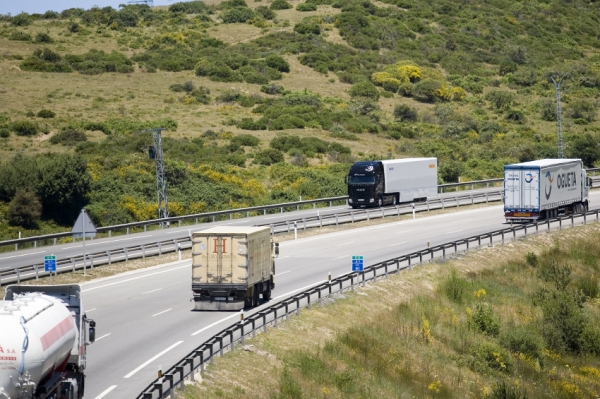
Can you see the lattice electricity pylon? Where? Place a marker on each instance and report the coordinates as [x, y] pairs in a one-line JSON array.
[[561, 145], [156, 153], [148, 2]]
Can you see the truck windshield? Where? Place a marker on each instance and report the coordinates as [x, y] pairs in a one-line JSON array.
[[361, 179]]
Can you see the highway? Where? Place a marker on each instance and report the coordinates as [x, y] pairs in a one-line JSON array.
[[145, 318], [26, 257]]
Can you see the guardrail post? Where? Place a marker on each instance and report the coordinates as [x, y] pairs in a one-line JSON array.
[[212, 357], [467, 241], [409, 263], [427, 203], [537, 232], [330, 204], [486, 195], [352, 215], [442, 201], [491, 240], [126, 254], [478, 242], [457, 200], [231, 341], [72, 263], [109, 233], [158, 386], [221, 349], [368, 216], [382, 213], [398, 210], [472, 200], [287, 222], [304, 221], [281, 209], [287, 315], [16, 247], [128, 230], [264, 315], [548, 224], [455, 247], [572, 221], [444, 252], [197, 218], [179, 369], [144, 228], [54, 241], [275, 314], [386, 270], [253, 328], [352, 282], [596, 215], [502, 236], [143, 251], [308, 299], [472, 187], [18, 273], [397, 266], [272, 229], [36, 271], [514, 231], [525, 226], [336, 219], [159, 249], [585, 218], [298, 306], [230, 218], [320, 221], [35, 244], [91, 261], [560, 223]]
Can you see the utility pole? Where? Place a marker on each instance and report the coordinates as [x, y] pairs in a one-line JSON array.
[[561, 145], [156, 153]]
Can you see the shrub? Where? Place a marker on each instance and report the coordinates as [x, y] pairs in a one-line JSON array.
[[20, 36], [69, 137], [24, 128], [427, 90], [450, 171], [4, 133], [43, 38], [500, 99], [589, 341], [280, 5], [483, 320], [504, 391], [305, 28], [587, 148], [365, 89], [190, 7], [487, 355], [277, 62], [588, 286], [306, 7], [74, 27], [268, 157], [548, 110], [522, 339], [267, 13], [582, 109], [238, 15], [46, 114], [531, 259], [272, 89], [22, 19], [455, 287], [246, 140], [405, 113], [24, 209], [515, 115]]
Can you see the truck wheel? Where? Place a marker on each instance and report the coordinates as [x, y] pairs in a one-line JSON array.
[[255, 297], [394, 200], [380, 202], [267, 294]]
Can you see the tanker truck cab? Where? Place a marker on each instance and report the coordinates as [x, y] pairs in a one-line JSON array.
[[365, 184]]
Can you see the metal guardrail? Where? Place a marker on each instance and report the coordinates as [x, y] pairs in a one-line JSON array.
[[228, 338], [52, 239], [157, 248]]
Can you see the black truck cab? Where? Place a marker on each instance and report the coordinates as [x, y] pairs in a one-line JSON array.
[[365, 182]]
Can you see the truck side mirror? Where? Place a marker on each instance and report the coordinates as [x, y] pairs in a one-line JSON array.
[[276, 249], [92, 331]]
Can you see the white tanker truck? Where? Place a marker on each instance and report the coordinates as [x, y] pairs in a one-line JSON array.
[[43, 342]]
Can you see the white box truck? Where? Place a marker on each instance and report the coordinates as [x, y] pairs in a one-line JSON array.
[[377, 183], [544, 189], [232, 266]]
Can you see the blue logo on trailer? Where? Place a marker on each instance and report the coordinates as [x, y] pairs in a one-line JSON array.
[[529, 177], [50, 263], [357, 263]]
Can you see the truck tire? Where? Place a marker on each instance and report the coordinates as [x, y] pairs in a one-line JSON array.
[[267, 294], [394, 200], [380, 202], [255, 297]]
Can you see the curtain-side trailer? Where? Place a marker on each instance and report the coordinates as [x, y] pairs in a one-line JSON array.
[[544, 189], [377, 183], [232, 266]]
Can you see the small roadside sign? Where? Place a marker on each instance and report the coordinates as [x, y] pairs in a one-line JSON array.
[[357, 263], [82, 225], [50, 263]]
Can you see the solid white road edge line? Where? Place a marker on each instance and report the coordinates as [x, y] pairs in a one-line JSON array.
[[400, 243], [106, 242], [455, 231], [16, 256], [352, 231], [164, 311], [89, 310], [299, 289], [153, 359], [279, 274], [347, 243], [148, 292], [215, 323], [132, 279], [104, 336], [106, 392]]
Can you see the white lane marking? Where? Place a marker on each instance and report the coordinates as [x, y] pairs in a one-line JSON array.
[[164, 311], [16, 256], [400, 243], [132, 279], [176, 232], [341, 257], [283, 257], [148, 292], [283, 273], [106, 242], [403, 231], [104, 336], [215, 323], [89, 310], [455, 231], [347, 243], [299, 289], [353, 231], [106, 392], [153, 359]]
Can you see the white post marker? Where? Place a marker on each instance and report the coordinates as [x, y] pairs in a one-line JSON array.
[[179, 250], [83, 235], [413, 209], [295, 231]]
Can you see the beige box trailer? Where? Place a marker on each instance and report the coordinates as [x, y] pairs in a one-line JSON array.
[[232, 266]]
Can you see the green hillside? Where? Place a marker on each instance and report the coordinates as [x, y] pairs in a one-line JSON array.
[[271, 101]]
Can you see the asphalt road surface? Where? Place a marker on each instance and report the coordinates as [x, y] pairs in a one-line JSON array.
[[145, 319]]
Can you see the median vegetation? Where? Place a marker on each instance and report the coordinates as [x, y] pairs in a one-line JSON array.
[[516, 321]]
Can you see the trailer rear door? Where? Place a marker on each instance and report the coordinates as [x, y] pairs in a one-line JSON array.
[[530, 193], [512, 188]]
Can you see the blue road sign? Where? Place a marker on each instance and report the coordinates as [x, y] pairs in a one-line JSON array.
[[357, 263], [50, 263]]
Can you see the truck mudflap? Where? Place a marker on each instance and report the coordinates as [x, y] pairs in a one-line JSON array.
[[207, 304]]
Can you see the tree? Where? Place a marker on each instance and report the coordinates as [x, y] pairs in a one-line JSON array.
[[426, 90], [404, 113], [63, 187], [25, 209], [587, 149], [365, 89], [19, 173]]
